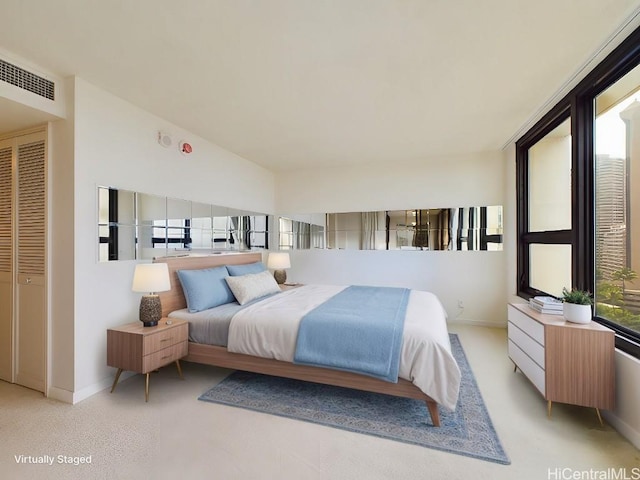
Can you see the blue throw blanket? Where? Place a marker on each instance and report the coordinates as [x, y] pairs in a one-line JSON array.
[[358, 330]]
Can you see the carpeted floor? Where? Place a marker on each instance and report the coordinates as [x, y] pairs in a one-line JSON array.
[[174, 436], [466, 431]]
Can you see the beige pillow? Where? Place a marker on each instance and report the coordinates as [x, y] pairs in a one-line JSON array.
[[254, 285]]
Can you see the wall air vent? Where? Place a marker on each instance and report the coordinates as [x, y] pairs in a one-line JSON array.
[[26, 80]]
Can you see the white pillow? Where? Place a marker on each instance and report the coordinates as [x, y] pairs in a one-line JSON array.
[[254, 285]]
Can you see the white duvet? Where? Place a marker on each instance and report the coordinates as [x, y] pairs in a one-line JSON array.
[[269, 329]]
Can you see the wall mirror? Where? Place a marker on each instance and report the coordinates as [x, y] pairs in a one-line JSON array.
[[458, 228], [301, 232], [134, 225]]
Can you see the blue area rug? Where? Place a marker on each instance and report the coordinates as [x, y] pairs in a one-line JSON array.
[[466, 431]]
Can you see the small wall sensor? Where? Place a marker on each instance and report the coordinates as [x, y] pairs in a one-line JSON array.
[[164, 140]]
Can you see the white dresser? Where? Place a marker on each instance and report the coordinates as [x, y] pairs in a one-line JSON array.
[[566, 362]]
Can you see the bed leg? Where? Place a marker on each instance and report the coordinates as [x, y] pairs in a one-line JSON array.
[[433, 411]]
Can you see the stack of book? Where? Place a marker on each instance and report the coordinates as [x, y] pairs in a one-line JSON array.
[[549, 305]]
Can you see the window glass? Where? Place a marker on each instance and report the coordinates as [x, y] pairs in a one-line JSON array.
[[550, 181], [550, 268], [617, 198]]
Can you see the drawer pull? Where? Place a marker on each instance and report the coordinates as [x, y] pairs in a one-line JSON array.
[[165, 340], [165, 357]]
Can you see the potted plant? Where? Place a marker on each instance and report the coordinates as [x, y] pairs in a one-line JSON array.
[[576, 305]]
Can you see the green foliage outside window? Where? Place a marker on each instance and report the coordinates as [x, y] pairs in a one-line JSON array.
[[613, 301]]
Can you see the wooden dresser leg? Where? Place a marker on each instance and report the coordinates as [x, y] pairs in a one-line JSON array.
[[179, 369], [549, 409], [599, 417], [146, 389], [433, 411], [115, 381]]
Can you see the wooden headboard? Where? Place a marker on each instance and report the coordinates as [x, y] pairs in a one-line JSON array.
[[174, 299]]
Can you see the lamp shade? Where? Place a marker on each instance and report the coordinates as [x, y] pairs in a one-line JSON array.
[[151, 277], [278, 261]]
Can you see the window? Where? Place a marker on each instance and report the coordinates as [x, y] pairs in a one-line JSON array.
[[578, 183], [617, 200], [546, 224]]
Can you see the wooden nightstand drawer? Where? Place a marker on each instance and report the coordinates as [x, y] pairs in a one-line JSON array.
[[164, 357], [165, 338]]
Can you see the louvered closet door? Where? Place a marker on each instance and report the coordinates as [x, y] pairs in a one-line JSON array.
[[6, 261], [30, 265]]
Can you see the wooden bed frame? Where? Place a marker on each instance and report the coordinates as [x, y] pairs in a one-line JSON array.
[[219, 356]]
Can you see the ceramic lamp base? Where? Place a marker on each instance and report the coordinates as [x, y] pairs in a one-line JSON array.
[[280, 276], [150, 310]]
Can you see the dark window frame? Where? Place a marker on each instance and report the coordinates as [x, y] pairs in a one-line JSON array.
[[578, 106]]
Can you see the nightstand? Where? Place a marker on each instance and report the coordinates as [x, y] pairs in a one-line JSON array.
[[136, 348]]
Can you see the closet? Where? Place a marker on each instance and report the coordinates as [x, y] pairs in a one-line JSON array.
[[23, 272]]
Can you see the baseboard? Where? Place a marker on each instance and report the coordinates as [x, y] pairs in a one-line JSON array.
[[623, 428], [60, 394], [476, 323], [98, 387], [75, 397]]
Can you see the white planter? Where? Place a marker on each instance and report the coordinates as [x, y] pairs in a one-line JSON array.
[[576, 313]]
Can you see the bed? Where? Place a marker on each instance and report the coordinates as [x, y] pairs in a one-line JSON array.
[[251, 340]]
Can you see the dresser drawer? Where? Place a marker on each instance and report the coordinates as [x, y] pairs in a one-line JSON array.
[[528, 325], [527, 344], [165, 338], [164, 357], [530, 369]]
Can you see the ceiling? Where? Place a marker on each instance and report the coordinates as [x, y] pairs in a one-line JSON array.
[[307, 83]]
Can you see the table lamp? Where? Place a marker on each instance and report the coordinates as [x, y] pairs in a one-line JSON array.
[[151, 278], [279, 262]]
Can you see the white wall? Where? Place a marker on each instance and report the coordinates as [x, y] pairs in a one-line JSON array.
[[116, 145], [476, 278], [454, 181], [626, 417], [61, 279]]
